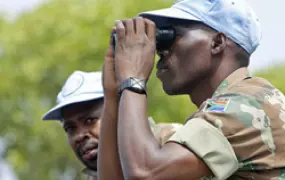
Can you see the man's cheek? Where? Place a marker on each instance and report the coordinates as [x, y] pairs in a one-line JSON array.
[[71, 144], [96, 131]]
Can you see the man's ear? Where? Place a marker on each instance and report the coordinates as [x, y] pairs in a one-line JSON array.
[[218, 43]]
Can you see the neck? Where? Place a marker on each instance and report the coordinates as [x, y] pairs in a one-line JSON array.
[[206, 87], [201, 92]]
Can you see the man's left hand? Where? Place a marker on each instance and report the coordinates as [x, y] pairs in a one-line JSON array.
[[135, 48]]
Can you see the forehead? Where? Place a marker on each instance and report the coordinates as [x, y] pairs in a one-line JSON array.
[[78, 111]]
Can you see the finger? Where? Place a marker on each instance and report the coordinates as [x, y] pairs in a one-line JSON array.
[[113, 30], [129, 25], [150, 29], [110, 50], [103, 73], [120, 29], [140, 25]]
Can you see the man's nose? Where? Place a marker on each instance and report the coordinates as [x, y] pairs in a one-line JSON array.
[[81, 136]]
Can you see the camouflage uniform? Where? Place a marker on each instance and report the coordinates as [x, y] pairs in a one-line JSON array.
[[239, 132], [161, 131]]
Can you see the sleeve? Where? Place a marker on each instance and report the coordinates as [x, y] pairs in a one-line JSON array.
[[231, 131], [208, 143], [163, 131]]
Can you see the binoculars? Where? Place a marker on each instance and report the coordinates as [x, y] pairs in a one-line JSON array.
[[164, 38]]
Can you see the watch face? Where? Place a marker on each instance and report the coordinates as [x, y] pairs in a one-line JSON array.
[[134, 85]]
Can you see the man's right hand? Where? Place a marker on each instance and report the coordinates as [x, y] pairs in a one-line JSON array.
[[110, 85], [108, 149]]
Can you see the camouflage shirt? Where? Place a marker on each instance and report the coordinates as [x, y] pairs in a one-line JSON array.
[[161, 131], [245, 130]]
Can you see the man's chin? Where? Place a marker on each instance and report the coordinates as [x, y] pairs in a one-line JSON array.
[[92, 164], [175, 89], [171, 91]]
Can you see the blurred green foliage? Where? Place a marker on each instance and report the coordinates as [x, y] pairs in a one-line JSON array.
[[38, 51]]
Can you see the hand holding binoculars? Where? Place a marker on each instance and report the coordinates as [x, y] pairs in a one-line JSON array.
[[164, 38]]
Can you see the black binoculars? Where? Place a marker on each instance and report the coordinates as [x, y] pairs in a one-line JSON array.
[[164, 38]]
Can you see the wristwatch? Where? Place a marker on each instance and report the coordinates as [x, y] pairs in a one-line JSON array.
[[134, 84]]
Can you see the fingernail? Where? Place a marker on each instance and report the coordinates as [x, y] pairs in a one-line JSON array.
[[119, 24]]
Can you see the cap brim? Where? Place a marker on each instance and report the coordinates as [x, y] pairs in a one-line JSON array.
[[55, 112], [161, 17]]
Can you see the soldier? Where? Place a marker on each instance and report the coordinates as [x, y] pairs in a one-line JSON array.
[[79, 107], [238, 130]]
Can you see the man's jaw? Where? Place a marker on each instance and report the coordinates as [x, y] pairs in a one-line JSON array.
[[90, 164], [88, 153]]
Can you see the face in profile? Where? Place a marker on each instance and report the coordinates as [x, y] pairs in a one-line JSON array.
[[82, 125], [188, 60]]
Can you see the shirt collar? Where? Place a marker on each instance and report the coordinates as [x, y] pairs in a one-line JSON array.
[[234, 78]]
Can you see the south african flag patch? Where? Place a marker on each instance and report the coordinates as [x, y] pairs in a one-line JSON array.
[[217, 105]]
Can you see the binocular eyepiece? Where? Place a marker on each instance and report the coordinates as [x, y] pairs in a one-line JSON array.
[[164, 38]]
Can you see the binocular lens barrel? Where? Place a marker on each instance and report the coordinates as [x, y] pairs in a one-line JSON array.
[[164, 38]]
